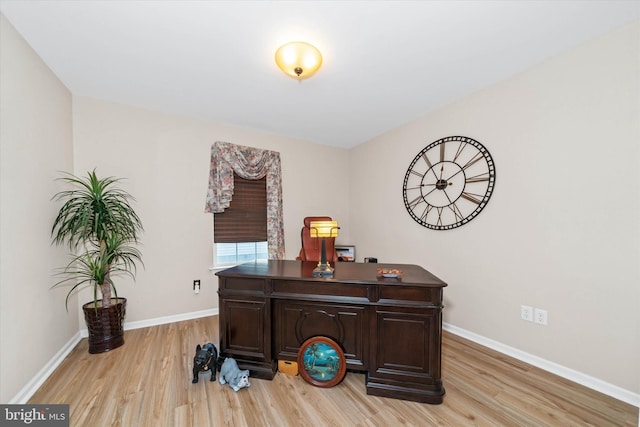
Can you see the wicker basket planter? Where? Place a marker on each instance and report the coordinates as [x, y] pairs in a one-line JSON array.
[[105, 325]]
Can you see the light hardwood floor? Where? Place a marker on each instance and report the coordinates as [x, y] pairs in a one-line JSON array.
[[147, 382]]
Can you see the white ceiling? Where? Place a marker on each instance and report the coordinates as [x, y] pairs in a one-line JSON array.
[[384, 62]]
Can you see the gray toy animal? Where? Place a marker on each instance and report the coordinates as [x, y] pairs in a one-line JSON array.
[[230, 373]]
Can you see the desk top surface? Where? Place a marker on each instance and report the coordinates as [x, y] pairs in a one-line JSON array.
[[345, 272]]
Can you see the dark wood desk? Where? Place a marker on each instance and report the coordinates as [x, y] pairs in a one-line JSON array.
[[390, 329]]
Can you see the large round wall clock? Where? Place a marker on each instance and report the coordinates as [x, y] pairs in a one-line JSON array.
[[449, 182]]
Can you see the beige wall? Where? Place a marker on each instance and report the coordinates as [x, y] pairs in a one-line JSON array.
[[561, 231], [35, 143], [166, 162]]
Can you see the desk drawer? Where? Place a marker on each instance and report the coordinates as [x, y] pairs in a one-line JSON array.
[[241, 284], [411, 295], [294, 287]]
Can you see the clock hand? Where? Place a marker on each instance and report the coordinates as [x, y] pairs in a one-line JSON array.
[[420, 186], [434, 189], [473, 160], [434, 173], [454, 174]]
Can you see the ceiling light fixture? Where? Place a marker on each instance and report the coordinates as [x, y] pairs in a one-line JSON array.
[[298, 59]]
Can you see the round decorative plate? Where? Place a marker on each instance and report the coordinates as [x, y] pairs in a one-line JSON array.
[[321, 362]]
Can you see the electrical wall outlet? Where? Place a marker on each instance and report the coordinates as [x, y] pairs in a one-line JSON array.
[[526, 313], [540, 316], [196, 286]]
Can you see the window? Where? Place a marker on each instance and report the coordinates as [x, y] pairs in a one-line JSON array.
[[253, 163], [229, 254], [240, 232]]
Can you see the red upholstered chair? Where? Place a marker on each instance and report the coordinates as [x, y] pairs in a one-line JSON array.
[[312, 247]]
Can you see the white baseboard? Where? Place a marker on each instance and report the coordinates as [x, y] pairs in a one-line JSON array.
[[162, 320], [570, 374], [32, 386]]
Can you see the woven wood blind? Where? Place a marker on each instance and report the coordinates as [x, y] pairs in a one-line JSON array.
[[245, 220]]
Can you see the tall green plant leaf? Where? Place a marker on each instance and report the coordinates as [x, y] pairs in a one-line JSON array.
[[99, 224]]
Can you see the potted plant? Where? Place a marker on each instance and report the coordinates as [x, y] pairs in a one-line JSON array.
[[100, 227]]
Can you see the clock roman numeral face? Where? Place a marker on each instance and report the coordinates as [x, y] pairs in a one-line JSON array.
[[449, 182]]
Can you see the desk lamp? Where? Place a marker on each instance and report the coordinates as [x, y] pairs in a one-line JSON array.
[[323, 229]]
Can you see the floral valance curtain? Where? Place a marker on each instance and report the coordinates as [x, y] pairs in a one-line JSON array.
[[248, 163]]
